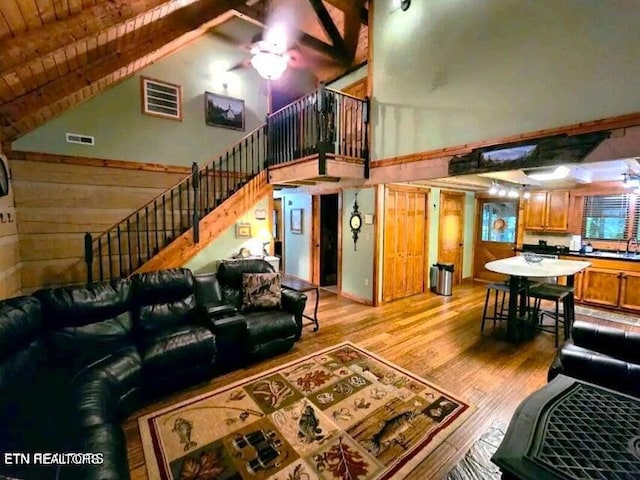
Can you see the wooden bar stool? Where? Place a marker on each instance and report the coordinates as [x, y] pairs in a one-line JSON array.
[[556, 294]]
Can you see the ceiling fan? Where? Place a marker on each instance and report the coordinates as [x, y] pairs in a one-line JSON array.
[[271, 54]]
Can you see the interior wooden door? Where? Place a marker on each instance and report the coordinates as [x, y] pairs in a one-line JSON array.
[[404, 243], [350, 115], [451, 232], [496, 228]]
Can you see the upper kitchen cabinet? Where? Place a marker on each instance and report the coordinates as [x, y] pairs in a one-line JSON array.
[[547, 211]]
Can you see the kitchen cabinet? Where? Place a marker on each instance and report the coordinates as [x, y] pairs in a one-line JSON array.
[[608, 283], [547, 211], [601, 286], [629, 291]]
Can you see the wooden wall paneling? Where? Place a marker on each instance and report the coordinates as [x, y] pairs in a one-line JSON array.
[[339, 240]]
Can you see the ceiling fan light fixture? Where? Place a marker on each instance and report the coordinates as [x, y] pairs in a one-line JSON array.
[[269, 65]]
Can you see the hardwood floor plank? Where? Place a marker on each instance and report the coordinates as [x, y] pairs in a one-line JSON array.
[[436, 337]]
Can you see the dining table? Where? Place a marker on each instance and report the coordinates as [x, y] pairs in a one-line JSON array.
[[520, 271]]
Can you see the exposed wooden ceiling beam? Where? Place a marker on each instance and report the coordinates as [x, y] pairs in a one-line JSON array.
[[256, 17], [352, 27], [140, 48], [349, 5], [329, 26]]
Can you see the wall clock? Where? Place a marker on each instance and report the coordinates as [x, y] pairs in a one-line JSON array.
[[355, 222], [4, 179]]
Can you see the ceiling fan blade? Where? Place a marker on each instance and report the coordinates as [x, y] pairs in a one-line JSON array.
[[243, 64]]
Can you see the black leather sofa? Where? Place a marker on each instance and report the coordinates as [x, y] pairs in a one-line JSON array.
[[603, 355], [74, 362]]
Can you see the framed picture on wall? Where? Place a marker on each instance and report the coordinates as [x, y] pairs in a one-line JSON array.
[[222, 111], [243, 230], [296, 220]]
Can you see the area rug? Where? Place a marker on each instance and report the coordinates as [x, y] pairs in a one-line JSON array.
[[341, 413]]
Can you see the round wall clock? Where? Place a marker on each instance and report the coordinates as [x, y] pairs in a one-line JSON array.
[[4, 178], [355, 222]]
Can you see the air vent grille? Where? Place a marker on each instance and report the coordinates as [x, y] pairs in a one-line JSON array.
[[81, 139], [161, 99]]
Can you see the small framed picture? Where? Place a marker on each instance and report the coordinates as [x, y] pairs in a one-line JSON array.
[[296, 220], [243, 230], [223, 111]]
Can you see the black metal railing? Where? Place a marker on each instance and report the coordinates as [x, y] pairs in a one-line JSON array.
[[125, 247], [325, 121]]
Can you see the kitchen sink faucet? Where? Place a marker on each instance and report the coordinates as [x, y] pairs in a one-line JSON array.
[[634, 241]]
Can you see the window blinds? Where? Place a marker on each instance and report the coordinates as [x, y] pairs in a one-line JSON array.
[[635, 230], [606, 217]]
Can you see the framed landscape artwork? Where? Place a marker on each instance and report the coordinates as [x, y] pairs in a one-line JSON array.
[[222, 111], [296, 220]]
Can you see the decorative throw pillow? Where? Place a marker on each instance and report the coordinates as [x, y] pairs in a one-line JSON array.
[[261, 290]]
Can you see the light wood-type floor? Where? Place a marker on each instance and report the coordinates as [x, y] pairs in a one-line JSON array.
[[435, 337]]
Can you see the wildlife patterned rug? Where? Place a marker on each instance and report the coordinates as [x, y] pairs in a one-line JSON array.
[[342, 413]]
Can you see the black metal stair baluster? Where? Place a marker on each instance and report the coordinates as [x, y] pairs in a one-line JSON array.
[[129, 246], [235, 178], [226, 193], [109, 255], [119, 251], [245, 175], [215, 186], [188, 189], [253, 158], [155, 226], [164, 220], [88, 256], [146, 217], [100, 266], [195, 184], [138, 243], [181, 225], [173, 219]]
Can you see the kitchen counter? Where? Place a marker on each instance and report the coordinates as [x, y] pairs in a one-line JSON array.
[[630, 257]]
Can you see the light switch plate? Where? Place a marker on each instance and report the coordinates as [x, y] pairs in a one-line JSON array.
[[368, 219]]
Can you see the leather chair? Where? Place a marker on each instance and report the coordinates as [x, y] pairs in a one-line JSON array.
[[603, 355], [268, 331]]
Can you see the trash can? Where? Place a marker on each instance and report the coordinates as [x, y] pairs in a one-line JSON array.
[[444, 286], [433, 278]]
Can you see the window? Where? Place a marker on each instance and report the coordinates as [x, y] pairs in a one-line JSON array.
[[499, 222], [161, 99], [608, 217]]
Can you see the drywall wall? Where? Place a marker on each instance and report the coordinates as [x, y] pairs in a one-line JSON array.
[[449, 72], [228, 244], [297, 246], [10, 267], [122, 132], [357, 264]]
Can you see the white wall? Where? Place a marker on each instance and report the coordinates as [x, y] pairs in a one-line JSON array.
[[448, 72], [350, 78]]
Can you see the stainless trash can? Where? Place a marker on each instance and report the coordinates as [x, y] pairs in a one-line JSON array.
[[433, 278], [444, 285]]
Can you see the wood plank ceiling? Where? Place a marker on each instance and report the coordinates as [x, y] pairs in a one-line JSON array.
[[55, 54]]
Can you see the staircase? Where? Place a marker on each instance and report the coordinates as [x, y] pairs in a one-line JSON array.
[[166, 231]]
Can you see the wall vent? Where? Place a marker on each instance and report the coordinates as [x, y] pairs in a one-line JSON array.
[[161, 99], [81, 139]]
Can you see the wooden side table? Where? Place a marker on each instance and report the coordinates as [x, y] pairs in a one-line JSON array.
[[302, 286]]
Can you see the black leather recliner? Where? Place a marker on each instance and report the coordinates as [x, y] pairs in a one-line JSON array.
[[74, 362], [603, 355]]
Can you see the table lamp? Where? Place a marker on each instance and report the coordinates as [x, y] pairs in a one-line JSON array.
[[265, 238]]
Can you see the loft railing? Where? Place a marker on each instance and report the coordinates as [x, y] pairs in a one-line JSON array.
[[324, 122], [126, 246]]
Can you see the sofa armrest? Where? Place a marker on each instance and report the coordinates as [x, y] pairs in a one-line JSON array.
[[293, 302], [594, 367], [610, 341]]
